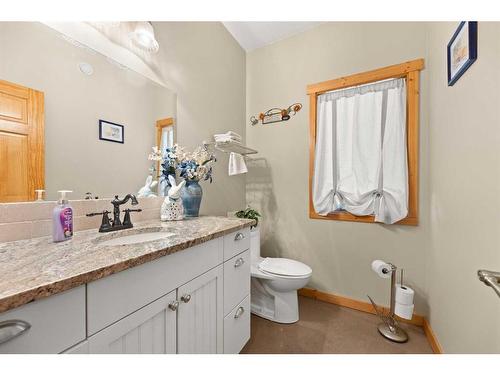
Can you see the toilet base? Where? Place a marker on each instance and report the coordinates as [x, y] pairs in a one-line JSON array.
[[280, 307]]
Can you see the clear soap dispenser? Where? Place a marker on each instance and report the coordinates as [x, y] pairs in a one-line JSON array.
[[62, 219]]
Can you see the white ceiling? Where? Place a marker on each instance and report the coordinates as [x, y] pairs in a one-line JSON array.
[[252, 35]]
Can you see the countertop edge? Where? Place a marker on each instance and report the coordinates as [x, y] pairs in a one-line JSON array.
[[30, 295]]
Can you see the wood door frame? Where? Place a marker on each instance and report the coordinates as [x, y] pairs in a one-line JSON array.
[[160, 125], [408, 70], [36, 129]]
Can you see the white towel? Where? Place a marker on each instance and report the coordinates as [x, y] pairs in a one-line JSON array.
[[236, 164], [234, 135], [226, 139], [228, 136]]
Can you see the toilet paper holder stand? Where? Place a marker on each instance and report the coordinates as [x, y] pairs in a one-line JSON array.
[[390, 328]]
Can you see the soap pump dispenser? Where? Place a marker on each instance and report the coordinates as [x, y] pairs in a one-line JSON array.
[[62, 219]]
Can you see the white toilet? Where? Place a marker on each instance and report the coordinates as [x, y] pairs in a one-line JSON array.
[[275, 282]]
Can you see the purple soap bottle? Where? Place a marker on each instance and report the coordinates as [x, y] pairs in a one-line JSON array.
[[62, 219]]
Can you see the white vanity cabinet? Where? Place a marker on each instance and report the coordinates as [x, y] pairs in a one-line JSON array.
[[150, 330], [236, 290], [49, 325], [186, 320], [192, 301], [200, 314]]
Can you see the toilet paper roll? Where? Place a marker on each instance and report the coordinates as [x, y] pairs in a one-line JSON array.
[[404, 294], [404, 311], [378, 266]]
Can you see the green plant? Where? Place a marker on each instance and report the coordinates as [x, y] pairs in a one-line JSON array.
[[249, 213]]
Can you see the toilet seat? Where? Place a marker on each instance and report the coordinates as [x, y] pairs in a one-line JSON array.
[[283, 267]]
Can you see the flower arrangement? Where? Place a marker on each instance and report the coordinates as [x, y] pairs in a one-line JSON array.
[[192, 166], [154, 156]]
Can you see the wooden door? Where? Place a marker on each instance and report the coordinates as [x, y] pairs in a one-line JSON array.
[[21, 142], [150, 330], [200, 315]]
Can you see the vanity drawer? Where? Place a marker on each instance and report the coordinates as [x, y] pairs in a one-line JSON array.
[[57, 322], [236, 242], [237, 327], [236, 280], [111, 298]]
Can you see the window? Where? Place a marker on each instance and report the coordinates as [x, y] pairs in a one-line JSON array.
[[165, 137], [364, 146]]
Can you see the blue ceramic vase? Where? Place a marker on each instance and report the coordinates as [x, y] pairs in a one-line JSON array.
[[191, 195]]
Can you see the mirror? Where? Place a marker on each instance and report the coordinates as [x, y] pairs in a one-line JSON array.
[[100, 118]]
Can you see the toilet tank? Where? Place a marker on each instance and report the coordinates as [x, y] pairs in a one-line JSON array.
[[255, 244]]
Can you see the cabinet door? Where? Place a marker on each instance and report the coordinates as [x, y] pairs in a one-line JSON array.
[[200, 317], [149, 330]]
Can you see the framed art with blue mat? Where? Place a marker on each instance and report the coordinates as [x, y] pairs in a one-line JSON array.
[[462, 50]]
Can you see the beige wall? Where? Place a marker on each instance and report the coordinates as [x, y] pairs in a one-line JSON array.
[[340, 253], [459, 229], [33, 55], [464, 127], [205, 66]]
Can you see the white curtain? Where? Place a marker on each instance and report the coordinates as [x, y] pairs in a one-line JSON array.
[[360, 164], [167, 140]]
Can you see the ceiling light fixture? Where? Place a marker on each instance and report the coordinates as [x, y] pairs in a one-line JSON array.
[[144, 37], [86, 68]]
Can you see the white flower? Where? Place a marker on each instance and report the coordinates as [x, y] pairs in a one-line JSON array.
[[155, 155]]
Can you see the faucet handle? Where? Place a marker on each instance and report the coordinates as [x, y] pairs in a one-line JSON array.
[[126, 218], [98, 213], [105, 223]]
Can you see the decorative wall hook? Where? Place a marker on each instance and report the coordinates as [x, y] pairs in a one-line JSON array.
[[276, 115]]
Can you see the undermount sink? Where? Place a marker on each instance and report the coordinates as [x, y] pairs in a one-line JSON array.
[[137, 238]]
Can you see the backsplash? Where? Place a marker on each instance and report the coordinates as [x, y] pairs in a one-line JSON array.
[[24, 220]]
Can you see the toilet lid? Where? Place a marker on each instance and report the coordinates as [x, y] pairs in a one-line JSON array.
[[284, 267]]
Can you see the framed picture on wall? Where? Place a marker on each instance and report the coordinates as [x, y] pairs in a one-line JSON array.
[[109, 131], [462, 50]]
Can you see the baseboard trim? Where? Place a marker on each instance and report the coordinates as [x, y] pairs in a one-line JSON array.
[[431, 337], [367, 307]]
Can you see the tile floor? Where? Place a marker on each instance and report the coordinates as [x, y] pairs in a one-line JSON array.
[[326, 328]]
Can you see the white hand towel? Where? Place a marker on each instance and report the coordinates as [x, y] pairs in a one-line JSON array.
[[234, 135], [225, 138], [236, 164], [228, 136]]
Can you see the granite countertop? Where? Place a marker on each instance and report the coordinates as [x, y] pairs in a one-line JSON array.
[[37, 268]]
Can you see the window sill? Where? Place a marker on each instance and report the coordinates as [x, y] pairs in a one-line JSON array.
[[346, 216]]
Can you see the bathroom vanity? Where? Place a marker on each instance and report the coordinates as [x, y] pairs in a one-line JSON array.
[[177, 287]]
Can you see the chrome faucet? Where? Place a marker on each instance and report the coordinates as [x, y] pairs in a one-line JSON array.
[[110, 225]]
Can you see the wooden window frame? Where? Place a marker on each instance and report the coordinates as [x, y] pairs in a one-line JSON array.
[[160, 125], [408, 70]]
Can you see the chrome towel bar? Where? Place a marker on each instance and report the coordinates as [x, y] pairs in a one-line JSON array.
[[490, 278]]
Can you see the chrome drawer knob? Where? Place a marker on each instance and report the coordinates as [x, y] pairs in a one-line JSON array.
[[239, 236], [186, 298], [173, 305], [239, 312], [239, 262]]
